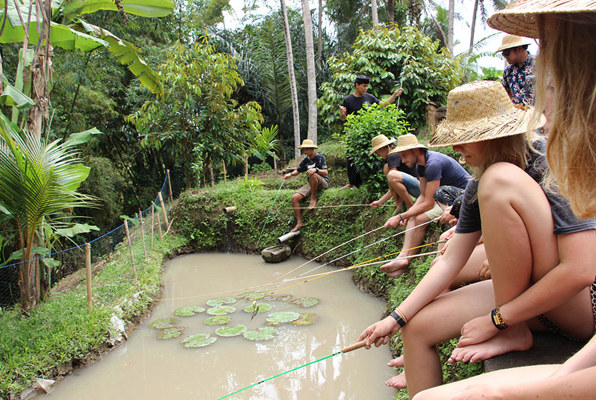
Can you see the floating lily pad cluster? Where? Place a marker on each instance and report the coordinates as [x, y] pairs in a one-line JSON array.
[[220, 309]]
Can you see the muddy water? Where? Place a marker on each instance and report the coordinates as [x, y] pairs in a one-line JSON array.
[[147, 368]]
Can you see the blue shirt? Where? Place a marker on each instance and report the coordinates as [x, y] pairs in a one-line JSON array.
[[442, 167]]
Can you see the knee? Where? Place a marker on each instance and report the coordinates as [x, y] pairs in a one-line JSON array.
[[296, 197], [394, 176]]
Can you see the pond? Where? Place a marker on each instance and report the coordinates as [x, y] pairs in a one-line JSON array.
[[151, 368]]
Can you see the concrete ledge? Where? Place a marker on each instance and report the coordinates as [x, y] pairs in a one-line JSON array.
[[547, 349]]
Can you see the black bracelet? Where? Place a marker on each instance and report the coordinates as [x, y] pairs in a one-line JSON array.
[[398, 318], [497, 319]]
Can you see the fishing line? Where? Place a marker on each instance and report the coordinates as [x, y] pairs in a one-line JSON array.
[[267, 219], [341, 205], [345, 350]]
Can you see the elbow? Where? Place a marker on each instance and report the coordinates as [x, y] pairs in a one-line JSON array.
[[580, 275]]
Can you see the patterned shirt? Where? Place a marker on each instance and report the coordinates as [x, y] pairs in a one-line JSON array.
[[518, 81]]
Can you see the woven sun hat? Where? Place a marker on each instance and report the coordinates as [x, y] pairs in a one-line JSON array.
[[308, 144], [407, 142], [379, 142], [512, 41], [480, 111], [519, 18]]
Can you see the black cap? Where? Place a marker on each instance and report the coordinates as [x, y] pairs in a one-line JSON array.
[[362, 79]]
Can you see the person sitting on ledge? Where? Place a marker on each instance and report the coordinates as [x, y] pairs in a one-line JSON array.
[[315, 167]]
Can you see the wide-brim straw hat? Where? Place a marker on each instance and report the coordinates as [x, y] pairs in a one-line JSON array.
[[308, 144], [379, 142], [519, 18], [512, 41], [407, 142], [481, 111]]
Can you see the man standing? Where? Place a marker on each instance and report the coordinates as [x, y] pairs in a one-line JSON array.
[[402, 180], [352, 104], [315, 167], [434, 170], [518, 78]]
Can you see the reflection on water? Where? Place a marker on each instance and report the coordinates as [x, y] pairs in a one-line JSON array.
[[148, 368]]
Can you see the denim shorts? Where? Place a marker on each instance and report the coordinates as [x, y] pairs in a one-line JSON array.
[[412, 184]]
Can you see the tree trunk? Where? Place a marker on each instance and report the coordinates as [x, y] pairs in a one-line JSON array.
[[451, 17], [311, 73], [320, 35], [374, 12], [473, 27], [391, 11], [292, 78]]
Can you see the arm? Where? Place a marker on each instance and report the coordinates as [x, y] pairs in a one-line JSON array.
[[438, 278], [291, 174], [382, 200], [391, 99], [425, 202], [343, 113], [575, 272]]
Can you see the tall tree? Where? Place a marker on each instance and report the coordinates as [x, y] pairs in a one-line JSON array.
[[311, 72], [374, 10], [480, 5], [292, 76], [450, 29]]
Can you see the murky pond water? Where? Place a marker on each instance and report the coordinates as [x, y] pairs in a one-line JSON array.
[[147, 368]]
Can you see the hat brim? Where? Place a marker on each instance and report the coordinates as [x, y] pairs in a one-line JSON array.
[[514, 45], [407, 147], [380, 146], [512, 123], [307, 147], [519, 18]]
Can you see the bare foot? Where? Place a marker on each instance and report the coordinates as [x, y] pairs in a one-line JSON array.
[[398, 381], [312, 204], [515, 338], [297, 227], [395, 267], [396, 362]]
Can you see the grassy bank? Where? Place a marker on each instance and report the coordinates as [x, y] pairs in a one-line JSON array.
[[61, 334]]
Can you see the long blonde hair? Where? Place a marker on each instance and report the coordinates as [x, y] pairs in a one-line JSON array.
[[567, 58], [512, 149]]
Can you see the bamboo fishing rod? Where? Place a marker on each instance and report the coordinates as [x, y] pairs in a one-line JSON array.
[[352, 347], [341, 205]]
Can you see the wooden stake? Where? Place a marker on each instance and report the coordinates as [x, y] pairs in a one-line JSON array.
[[169, 185], [159, 226], [88, 268], [223, 164], [152, 224], [143, 232], [132, 257], [163, 208]]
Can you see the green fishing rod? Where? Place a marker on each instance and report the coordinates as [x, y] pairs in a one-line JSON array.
[[355, 346]]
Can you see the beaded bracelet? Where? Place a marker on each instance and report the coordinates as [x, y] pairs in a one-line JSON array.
[[497, 319], [399, 317]]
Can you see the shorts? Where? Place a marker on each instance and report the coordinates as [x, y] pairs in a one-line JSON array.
[[323, 184], [411, 183], [436, 211]]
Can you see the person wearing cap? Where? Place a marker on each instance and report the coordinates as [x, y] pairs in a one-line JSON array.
[[434, 170], [542, 257], [567, 49], [518, 76], [354, 103], [314, 165], [402, 180]]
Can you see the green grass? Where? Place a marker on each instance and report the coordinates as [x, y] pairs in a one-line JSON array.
[[61, 330]]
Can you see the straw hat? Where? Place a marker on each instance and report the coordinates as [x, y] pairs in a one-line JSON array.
[[481, 111], [379, 142], [407, 142], [308, 144], [511, 41], [519, 18]]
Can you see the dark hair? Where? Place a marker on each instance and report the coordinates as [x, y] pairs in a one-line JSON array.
[[361, 79]]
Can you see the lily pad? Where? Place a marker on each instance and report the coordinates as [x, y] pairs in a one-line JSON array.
[[218, 320], [229, 331], [282, 317], [171, 333], [278, 297], [266, 333], [199, 340], [221, 310], [258, 308], [306, 302], [305, 319], [164, 323], [221, 300], [188, 311], [250, 296]]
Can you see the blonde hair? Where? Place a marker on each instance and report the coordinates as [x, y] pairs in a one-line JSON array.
[[513, 149], [567, 61]]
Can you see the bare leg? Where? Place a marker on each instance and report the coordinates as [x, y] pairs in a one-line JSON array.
[[398, 381], [440, 320], [314, 186], [413, 238], [396, 362], [398, 190], [296, 198]]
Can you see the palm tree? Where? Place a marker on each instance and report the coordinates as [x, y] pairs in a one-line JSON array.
[[479, 4], [39, 182]]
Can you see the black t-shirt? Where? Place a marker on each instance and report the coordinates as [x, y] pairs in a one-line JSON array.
[[354, 104], [318, 161], [394, 161], [563, 218]]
